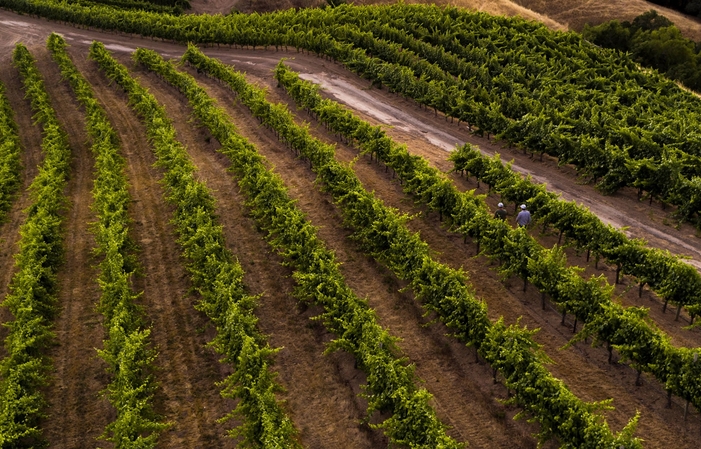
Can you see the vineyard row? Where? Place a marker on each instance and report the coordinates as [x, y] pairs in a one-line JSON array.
[[215, 274], [391, 383], [127, 349], [623, 329], [383, 234], [33, 289]]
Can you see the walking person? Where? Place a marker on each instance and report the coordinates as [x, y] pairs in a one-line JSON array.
[[523, 218], [501, 212]]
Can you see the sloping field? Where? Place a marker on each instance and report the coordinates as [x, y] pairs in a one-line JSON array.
[[559, 15], [575, 14], [322, 392]]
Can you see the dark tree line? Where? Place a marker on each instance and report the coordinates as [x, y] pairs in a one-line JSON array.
[[692, 7], [653, 41]]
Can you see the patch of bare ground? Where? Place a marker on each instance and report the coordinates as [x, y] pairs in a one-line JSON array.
[[465, 397], [623, 209], [77, 415], [580, 367], [321, 391], [185, 368], [574, 14], [584, 369], [30, 137]]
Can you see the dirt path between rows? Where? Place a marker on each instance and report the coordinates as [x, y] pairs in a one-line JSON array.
[[79, 374], [30, 139], [579, 367], [186, 370], [321, 390]]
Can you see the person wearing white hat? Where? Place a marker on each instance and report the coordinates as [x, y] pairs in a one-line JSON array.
[[523, 218], [501, 212]]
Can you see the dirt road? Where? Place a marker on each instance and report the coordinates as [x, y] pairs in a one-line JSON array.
[[322, 391]]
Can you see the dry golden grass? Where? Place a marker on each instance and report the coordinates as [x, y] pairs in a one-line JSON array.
[[556, 14], [574, 14], [496, 7]]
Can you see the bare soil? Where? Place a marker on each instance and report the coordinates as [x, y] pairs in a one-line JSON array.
[[31, 158], [74, 394], [574, 14], [322, 406], [322, 391]]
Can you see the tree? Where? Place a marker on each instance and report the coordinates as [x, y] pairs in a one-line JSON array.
[[611, 34], [649, 21]]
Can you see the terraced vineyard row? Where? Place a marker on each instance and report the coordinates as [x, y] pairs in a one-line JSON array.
[[32, 300], [369, 393], [447, 292], [520, 254]]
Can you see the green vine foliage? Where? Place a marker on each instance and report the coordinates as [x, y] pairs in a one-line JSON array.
[[10, 150], [215, 274], [127, 349], [381, 232], [33, 289], [391, 383]]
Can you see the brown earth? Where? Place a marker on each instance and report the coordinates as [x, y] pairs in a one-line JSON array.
[[561, 15], [574, 14], [321, 390], [74, 394], [31, 158]]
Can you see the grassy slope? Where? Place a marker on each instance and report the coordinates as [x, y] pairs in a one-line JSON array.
[[556, 14], [575, 13]]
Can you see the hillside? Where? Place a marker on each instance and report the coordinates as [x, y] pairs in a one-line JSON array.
[[558, 15], [574, 14], [321, 391]]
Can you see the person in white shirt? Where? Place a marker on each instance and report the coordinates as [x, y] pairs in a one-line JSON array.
[[524, 217]]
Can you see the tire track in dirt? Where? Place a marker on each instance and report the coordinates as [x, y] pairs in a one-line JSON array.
[[30, 137], [580, 367], [321, 390], [186, 369], [438, 158], [627, 380], [611, 381], [431, 135], [77, 416], [464, 393]]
